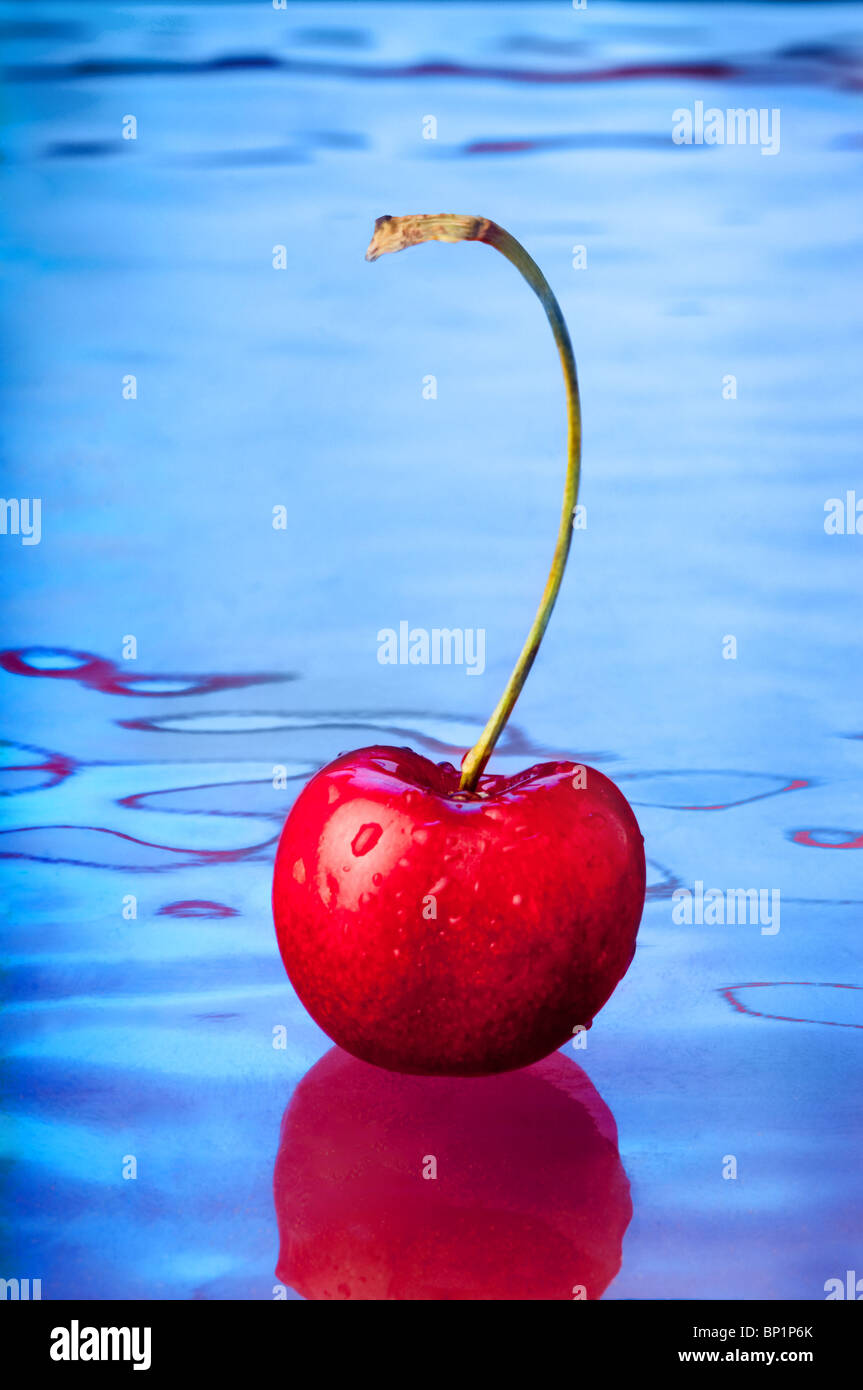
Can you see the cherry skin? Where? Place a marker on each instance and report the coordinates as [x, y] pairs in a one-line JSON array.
[[449, 933]]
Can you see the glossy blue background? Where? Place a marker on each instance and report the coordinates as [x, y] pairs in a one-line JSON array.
[[303, 387]]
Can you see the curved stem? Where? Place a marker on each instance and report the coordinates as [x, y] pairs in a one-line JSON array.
[[396, 233]]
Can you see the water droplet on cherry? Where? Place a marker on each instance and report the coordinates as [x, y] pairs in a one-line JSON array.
[[366, 838]]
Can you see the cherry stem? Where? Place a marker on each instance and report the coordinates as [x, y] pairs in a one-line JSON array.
[[396, 233]]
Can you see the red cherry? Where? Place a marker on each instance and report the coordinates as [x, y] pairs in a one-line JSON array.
[[440, 932], [460, 924], [409, 1188]]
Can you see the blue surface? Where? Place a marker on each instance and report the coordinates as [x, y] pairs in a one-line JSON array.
[[302, 387]]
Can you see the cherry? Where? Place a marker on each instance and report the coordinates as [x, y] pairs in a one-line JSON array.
[[432, 930], [461, 924]]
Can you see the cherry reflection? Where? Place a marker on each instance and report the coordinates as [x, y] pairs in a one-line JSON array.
[[391, 1187]]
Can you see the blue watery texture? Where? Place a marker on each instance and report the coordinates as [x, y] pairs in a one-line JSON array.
[[303, 388]]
